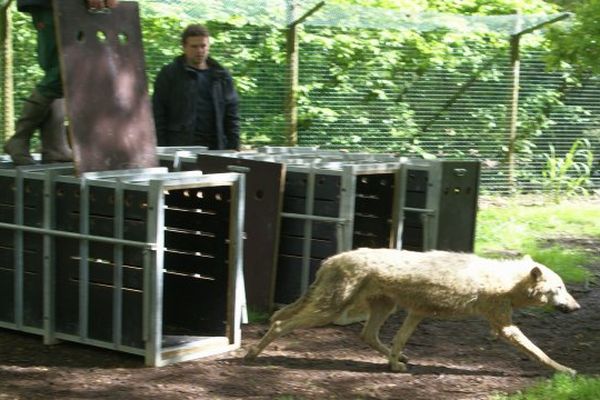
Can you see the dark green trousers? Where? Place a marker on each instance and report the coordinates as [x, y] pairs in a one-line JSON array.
[[47, 52]]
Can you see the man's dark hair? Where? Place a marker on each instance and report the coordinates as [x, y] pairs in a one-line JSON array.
[[194, 30]]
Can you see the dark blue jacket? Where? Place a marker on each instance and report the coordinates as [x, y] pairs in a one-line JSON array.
[[175, 106], [27, 5]]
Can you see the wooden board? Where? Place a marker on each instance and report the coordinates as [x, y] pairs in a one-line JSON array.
[[103, 73]]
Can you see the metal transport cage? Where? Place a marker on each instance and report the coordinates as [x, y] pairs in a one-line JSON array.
[[140, 261]]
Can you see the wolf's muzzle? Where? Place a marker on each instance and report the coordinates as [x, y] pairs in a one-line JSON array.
[[567, 308]]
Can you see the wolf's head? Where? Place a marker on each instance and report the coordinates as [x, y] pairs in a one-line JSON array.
[[547, 288]]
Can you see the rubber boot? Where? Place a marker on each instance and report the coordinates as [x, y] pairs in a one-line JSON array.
[[55, 146], [35, 111]]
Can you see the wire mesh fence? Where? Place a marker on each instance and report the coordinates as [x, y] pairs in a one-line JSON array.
[[460, 113], [412, 84]]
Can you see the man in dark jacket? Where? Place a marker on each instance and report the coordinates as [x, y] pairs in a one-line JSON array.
[[44, 108], [195, 102]]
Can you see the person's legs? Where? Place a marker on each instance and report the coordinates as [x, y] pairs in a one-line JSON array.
[[55, 146], [36, 107], [35, 110]]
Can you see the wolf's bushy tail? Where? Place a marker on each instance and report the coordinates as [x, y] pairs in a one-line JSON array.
[[293, 308], [289, 310], [322, 292]]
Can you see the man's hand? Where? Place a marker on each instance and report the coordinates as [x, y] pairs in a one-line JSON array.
[[98, 4]]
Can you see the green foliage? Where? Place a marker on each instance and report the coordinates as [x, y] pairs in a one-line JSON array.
[[535, 118], [379, 73], [492, 7], [24, 42], [575, 44], [560, 387], [405, 5], [5, 3], [486, 7], [569, 175]]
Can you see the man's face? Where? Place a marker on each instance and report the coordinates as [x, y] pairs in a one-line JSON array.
[[196, 49]]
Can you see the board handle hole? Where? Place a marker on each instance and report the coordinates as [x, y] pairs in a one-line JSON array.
[[123, 38], [101, 36]]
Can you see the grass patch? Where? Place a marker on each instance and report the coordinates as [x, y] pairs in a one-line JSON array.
[[258, 317], [522, 229], [567, 263], [560, 387], [510, 226]]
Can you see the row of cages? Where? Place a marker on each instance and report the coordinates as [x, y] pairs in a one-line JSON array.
[[165, 262], [306, 204], [148, 262]]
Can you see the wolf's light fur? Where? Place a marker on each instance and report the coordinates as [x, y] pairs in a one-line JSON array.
[[369, 284]]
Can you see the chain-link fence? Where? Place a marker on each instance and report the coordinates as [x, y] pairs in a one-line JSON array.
[[431, 85]]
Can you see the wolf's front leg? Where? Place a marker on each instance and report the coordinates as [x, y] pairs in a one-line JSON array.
[[406, 330], [514, 336]]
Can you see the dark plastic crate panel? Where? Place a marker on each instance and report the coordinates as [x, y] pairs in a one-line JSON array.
[[320, 230], [318, 248], [288, 287], [194, 306], [7, 293]]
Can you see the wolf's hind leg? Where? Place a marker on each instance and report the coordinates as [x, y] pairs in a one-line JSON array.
[[282, 327], [408, 327], [380, 309]]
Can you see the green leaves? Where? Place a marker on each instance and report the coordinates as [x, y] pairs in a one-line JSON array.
[[575, 44], [5, 3], [570, 174]]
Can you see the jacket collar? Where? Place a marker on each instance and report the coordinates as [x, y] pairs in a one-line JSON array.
[[214, 65]]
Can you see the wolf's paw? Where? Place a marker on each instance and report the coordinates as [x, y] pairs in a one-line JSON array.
[[569, 371], [398, 366]]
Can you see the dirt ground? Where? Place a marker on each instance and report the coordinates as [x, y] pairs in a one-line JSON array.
[[448, 360]]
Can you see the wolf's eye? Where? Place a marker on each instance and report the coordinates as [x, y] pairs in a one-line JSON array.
[[557, 290]]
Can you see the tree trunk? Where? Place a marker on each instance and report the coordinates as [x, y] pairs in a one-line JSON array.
[[6, 56], [514, 112], [290, 108]]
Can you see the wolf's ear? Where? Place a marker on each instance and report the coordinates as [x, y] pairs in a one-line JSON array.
[[536, 273], [527, 258]]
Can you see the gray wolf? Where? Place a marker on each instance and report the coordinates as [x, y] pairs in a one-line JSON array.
[[370, 284]]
